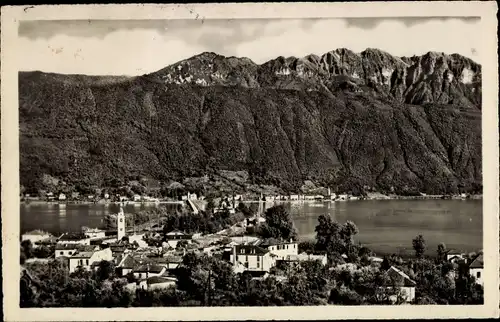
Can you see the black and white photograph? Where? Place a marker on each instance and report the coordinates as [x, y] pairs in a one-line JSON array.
[[194, 161]]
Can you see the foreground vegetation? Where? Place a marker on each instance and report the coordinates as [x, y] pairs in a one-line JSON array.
[[209, 280]]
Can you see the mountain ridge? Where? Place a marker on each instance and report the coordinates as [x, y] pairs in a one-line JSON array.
[[340, 119]]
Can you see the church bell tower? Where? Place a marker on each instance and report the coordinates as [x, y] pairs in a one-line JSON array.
[[120, 225]]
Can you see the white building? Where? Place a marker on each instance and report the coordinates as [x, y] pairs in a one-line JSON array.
[[294, 197], [192, 196], [95, 233], [127, 265], [62, 196], [402, 282], [35, 236], [67, 250], [106, 196], [476, 268], [148, 270], [453, 256], [86, 259], [157, 283], [121, 224], [137, 198], [74, 238], [281, 249], [253, 258]]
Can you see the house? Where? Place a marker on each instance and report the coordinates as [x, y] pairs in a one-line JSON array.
[[303, 257], [173, 237], [402, 281], [171, 262], [253, 258], [184, 198], [90, 196], [85, 259], [67, 250], [36, 236], [126, 265], [294, 197], [95, 233], [192, 196], [148, 270], [157, 282], [279, 248], [161, 282], [137, 198], [106, 196], [117, 248], [62, 196], [453, 256], [74, 238], [476, 268], [342, 197]]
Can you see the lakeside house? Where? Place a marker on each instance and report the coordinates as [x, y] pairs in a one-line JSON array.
[[67, 250], [476, 268], [126, 265], [94, 233], [402, 282], [253, 258], [86, 259], [157, 283], [35, 236], [279, 248], [74, 238], [143, 271], [62, 197], [454, 256]]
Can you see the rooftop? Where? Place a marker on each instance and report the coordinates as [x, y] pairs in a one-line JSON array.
[[149, 268], [477, 262], [270, 242], [393, 271], [73, 236], [250, 250], [128, 262], [82, 255]]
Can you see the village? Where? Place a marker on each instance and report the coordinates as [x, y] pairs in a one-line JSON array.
[[148, 258]]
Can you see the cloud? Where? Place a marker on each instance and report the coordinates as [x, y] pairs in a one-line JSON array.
[[135, 47]]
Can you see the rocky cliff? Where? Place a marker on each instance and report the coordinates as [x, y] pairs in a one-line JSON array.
[[350, 121]]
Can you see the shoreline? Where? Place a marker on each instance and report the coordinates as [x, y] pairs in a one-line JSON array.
[[378, 197]]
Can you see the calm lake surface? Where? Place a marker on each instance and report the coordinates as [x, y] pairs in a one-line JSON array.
[[386, 226]]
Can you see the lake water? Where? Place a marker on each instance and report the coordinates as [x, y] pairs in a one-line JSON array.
[[386, 226]]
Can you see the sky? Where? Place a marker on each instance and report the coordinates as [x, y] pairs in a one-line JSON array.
[[136, 47]]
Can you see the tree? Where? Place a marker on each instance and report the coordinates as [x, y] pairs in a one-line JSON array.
[[419, 246], [385, 264], [27, 248], [441, 252], [182, 244], [278, 224], [246, 211], [105, 270]]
